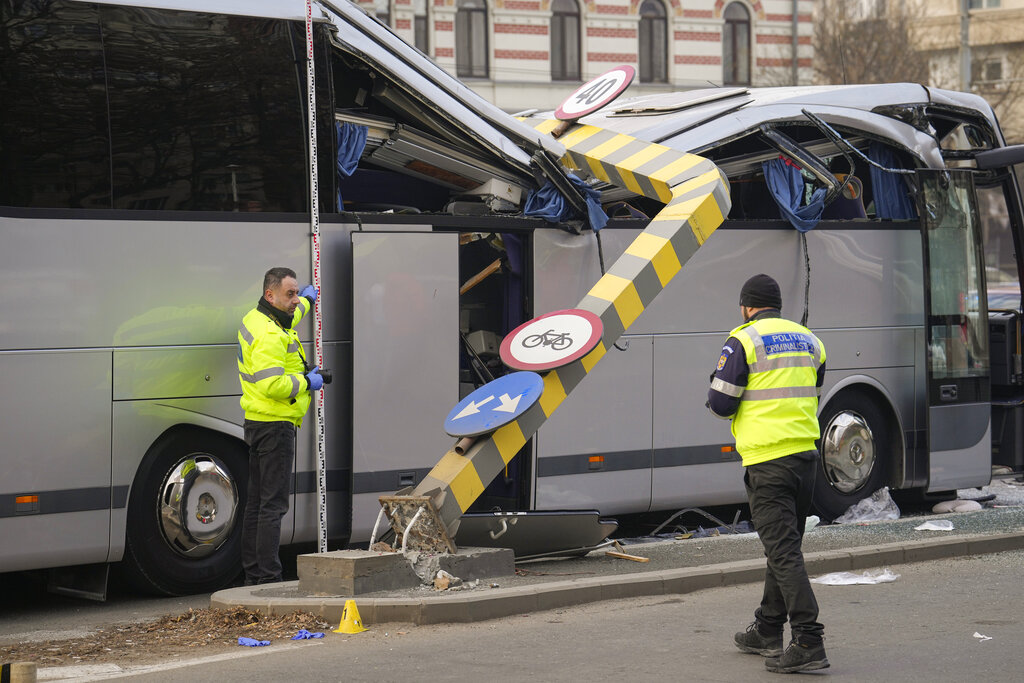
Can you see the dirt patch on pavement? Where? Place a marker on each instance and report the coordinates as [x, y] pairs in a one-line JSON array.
[[194, 633]]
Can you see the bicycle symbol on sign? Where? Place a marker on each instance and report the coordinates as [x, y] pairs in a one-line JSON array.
[[558, 342]]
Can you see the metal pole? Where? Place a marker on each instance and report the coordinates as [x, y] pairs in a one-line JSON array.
[[796, 42], [965, 46], [318, 347]]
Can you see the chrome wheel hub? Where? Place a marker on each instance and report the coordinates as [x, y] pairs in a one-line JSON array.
[[198, 506], [848, 452]]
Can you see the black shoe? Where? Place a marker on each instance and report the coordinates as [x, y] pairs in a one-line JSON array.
[[798, 657], [756, 643]]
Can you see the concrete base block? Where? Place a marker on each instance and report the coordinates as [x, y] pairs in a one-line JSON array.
[[470, 564], [357, 572], [353, 572]]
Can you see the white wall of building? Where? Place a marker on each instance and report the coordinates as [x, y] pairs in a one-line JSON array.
[[520, 46]]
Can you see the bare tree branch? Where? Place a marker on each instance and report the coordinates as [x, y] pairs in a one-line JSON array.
[[855, 46]]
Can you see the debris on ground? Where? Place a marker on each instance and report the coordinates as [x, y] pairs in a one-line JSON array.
[[170, 636], [623, 555], [867, 577], [252, 642], [532, 572], [303, 634], [878, 507], [957, 505], [444, 580], [743, 527]]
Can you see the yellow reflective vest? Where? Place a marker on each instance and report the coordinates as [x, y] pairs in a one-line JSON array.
[[272, 368], [778, 413]]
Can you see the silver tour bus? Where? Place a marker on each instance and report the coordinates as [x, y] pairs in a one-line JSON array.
[[154, 163]]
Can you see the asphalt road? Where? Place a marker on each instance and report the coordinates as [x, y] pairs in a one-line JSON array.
[[919, 628], [28, 612]]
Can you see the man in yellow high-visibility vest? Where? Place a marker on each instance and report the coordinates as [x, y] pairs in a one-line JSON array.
[[767, 382], [277, 385]]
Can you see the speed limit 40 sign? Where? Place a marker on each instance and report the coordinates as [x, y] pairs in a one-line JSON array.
[[596, 93]]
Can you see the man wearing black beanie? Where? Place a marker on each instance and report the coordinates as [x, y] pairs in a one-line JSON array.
[[767, 383], [761, 291]]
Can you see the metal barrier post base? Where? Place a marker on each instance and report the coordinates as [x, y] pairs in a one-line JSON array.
[[430, 531]]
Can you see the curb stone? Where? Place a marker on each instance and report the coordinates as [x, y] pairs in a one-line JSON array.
[[492, 603]]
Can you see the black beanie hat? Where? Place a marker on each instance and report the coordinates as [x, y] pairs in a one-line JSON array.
[[761, 291]]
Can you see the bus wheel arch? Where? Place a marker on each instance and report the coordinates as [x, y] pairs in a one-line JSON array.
[[859, 447], [184, 521]]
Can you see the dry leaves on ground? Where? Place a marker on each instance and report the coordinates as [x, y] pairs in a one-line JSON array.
[[170, 636]]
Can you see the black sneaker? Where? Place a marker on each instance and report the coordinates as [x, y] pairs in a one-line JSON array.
[[754, 642], [798, 657]]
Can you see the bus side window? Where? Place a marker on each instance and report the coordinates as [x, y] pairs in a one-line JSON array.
[[1001, 275], [54, 151], [205, 112], [752, 200]]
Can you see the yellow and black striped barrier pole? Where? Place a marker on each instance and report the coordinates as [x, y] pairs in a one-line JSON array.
[[18, 672], [696, 197]]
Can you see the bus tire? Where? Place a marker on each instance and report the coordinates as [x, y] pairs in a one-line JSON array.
[[856, 440], [184, 522]]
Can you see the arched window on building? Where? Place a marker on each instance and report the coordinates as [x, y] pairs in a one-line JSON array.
[[736, 45], [382, 10], [420, 27], [653, 42], [471, 39], [565, 40]]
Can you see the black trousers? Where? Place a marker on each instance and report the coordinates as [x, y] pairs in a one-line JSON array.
[[780, 493], [271, 455]]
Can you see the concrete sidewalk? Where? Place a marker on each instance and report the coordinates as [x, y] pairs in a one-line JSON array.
[[675, 566]]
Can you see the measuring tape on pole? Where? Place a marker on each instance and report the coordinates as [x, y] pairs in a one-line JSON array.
[[318, 345]]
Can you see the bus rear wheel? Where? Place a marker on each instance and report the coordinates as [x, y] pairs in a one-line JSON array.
[[185, 514], [856, 438]]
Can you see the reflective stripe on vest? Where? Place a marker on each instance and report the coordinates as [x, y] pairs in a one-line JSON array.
[[262, 374], [780, 392], [723, 387]]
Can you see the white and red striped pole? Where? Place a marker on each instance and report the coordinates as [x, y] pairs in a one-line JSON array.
[[318, 348]]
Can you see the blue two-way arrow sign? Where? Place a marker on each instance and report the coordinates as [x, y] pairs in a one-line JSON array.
[[494, 404]]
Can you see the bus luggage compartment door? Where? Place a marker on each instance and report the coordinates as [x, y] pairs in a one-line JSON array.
[[956, 328], [596, 450], [405, 361]]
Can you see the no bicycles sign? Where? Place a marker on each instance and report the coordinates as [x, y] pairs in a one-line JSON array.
[[551, 340]]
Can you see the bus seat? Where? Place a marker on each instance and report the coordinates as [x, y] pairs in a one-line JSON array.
[[849, 204]]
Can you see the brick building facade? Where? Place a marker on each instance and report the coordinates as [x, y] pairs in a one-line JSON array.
[[995, 59], [522, 54]]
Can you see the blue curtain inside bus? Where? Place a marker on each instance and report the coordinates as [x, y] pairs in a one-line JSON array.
[[351, 141], [892, 199], [549, 204], [786, 184], [513, 267]]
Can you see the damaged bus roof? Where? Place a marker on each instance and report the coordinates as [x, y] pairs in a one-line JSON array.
[[699, 120], [439, 95]]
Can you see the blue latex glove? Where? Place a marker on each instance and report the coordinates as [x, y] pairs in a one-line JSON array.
[[309, 291], [315, 380], [305, 635], [252, 642]]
